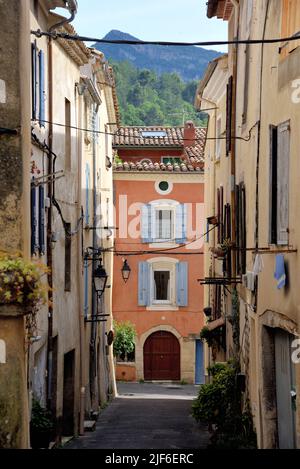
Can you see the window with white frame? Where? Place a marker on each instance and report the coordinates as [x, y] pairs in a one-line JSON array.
[[163, 283], [163, 221]]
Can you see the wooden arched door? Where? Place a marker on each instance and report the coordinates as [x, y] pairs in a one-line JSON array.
[[162, 357]]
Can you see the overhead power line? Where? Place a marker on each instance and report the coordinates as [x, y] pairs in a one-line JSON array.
[[69, 37], [116, 134]]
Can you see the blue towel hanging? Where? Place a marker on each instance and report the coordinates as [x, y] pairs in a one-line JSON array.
[[280, 271]]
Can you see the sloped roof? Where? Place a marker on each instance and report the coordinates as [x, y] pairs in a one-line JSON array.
[[220, 8], [131, 137]]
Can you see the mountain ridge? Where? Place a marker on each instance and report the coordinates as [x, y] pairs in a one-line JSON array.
[[189, 62]]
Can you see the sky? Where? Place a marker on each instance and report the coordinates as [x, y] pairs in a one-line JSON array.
[[164, 20]]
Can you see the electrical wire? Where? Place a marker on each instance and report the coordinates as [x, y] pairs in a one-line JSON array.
[[161, 251], [69, 37], [179, 139]]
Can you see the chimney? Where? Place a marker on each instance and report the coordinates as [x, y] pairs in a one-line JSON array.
[[189, 134]]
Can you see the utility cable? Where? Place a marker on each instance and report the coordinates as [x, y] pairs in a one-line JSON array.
[[69, 37], [179, 139]]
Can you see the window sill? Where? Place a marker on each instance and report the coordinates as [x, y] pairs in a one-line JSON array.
[[119, 362], [164, 245], [162, 307]]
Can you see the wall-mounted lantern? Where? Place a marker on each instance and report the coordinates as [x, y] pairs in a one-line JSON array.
[[126, 270], [100, 279]]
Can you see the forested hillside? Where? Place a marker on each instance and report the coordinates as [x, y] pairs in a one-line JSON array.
[[148, 99]]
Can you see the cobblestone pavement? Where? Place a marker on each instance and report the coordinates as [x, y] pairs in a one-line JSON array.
[[147, 416]]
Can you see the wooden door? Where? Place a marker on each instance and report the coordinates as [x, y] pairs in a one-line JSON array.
[[162, 357], [284, 385]]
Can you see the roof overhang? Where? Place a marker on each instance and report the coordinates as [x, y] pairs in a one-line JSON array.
[[222, 9], [206, 78]]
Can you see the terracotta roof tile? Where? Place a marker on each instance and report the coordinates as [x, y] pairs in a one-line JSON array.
[[127, 137], [135, 167]]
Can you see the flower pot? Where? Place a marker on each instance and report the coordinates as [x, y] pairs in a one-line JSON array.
[[40, 438]]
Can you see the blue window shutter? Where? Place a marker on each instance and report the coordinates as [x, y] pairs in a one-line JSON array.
[[42, 248], [42, 87], [146, 223], [34, 78], [144, 284], [184, 222], [87, 190], [182, 284], [180, 223], [86, 288], [33, 220]]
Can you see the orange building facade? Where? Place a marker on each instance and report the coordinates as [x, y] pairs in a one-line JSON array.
[[159, 202]]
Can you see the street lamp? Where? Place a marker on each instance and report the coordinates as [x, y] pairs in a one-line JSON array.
[[100, 279], [126, 270]]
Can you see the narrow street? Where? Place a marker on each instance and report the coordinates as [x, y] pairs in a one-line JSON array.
[[147, 416]]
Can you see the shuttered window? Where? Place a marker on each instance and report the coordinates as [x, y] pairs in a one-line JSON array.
[[34, 79], [279, 183], [240, 227], [283, 166], [144, 284], [290, 25], [42, 91], [157, 283], [217, 302], [38, 85], [182, 284], [164, 223], [34, 220], [42, 247], [246, 83], [68, 257], [37, 216], [229, 115]]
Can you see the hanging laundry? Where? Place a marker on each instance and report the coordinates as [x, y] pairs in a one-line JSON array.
[[280, 271], [258, 264]]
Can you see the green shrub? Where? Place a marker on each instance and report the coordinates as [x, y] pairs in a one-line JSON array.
[[41, 418], [124, 339], [219, 405]]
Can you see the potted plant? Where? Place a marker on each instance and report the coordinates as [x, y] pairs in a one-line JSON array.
[[41, 426], [20, 283]]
